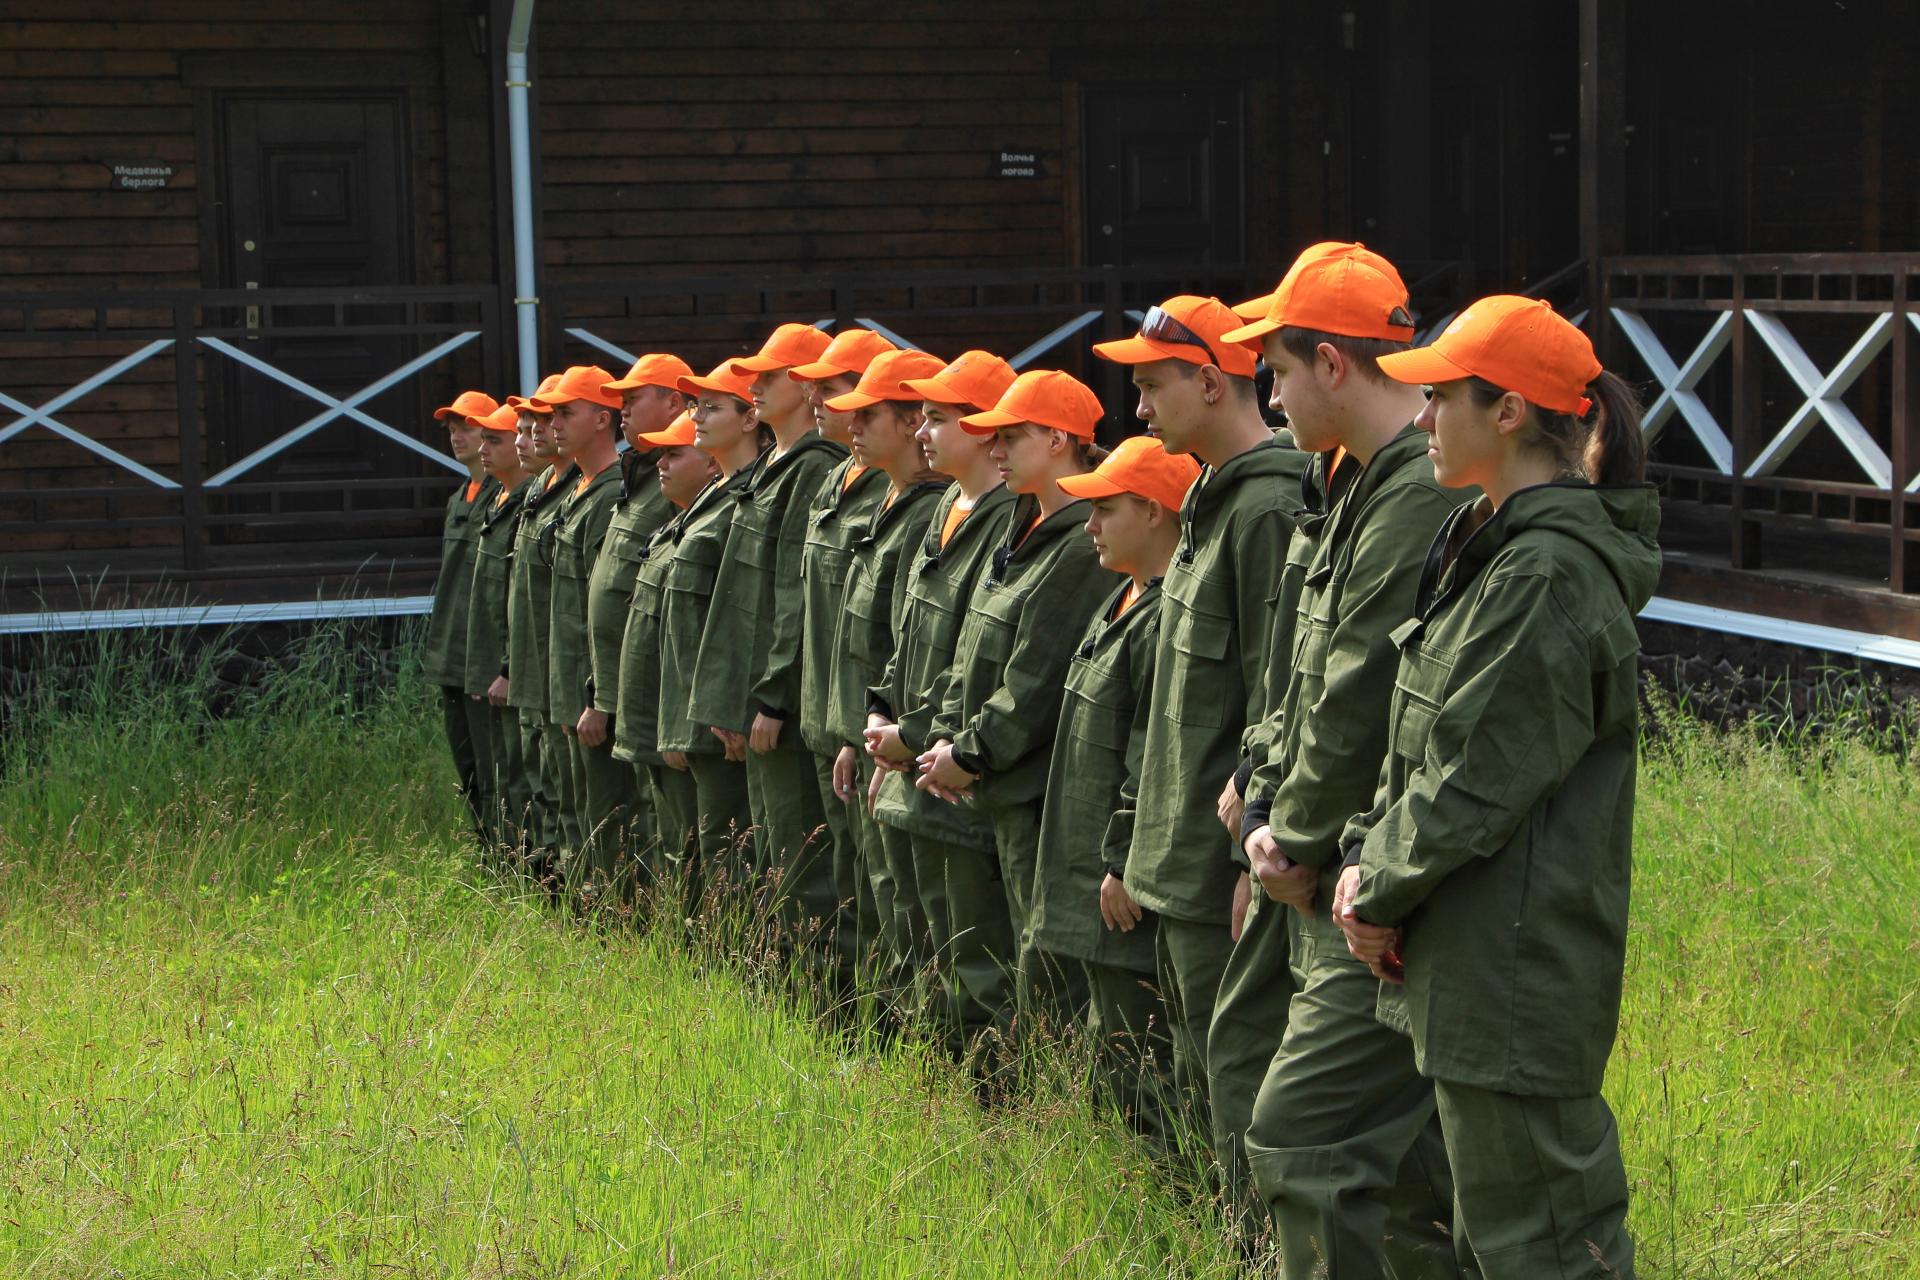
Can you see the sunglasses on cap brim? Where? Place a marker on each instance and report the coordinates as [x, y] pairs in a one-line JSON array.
[[1161, 327]]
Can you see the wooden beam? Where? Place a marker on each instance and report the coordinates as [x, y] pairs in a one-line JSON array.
[[1603, 168]]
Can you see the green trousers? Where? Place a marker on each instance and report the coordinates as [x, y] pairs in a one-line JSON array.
[[466, 764], [840, 940], [909, 934], [608, 800], [512, 787], [930, 857], [869, 885], [1127, 1024], [567, 799], [676, 808], [792, 853], [479, 717], [723, 823], [1540, 1192], [1190, 958], [982, 948], [1344, 1140], [543, 818], [1249, 1019]]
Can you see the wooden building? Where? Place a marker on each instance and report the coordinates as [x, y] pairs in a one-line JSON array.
[[225, 228]]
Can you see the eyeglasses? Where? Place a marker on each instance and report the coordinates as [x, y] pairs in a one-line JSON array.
[[1161, 327]]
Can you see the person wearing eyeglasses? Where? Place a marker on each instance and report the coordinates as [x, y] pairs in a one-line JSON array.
[[1197, 395], [750, 685], [1488, 885], [529, 622], [1081, 909], [725, 428], [951, 845], [682, 473], [443, 651], [992, 737], [1299, 1074]]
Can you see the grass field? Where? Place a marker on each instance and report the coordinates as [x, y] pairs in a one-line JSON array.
[[259, 1016]]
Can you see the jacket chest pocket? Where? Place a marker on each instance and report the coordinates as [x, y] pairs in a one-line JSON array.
[[693, 568], [994, 623], [752, 542], [1419, 690], [1196, 694], [1100, 700]]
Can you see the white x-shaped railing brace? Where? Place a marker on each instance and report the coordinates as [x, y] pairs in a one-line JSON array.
[[43, 415], [1823, 392], [336, 407], [1677, 383]]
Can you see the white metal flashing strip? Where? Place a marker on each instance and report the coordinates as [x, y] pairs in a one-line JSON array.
[[212, 615], [593, 339], [1805, 635]]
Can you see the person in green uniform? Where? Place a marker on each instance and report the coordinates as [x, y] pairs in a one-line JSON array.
[[487, 622], [617, 816], [586, 425], [691, 617], [682, 471], [529, 618], [1081, 909], [1488, 885], [885, 437], [1331, 1095], [951, 845], [1000, 700], [443, 651], [851, 935], [750, 684], [1217, 603]]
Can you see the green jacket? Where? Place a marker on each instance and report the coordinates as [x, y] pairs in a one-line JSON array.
[[757, 597], [530, 592], [688, 605], [1217, 604], [874, 601], [1000, 699], [443, 654], [582, 527], [939, 582], [1331, 726], [639, 509], [487, 609], [1087, 823], [1501, 839], [636, 705], [838, 515]]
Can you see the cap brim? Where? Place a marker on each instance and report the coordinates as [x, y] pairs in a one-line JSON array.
[[851, 401], [1146, 351], [1248, 334], [756, 364], [815, 372], [664, 439], [1090, 485], [1254, 308], [989, 421], [698, 383], [1421, 366], [935, 390], [446, 411], [634, 384]]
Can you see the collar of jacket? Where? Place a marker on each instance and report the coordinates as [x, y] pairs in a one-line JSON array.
[[717, 489], [544, 494], [839, 492], [886, 513], [1407, 448], [812, 441], [740, 484], [635, 464], [1620, 524], [510, 509], [1042, 536], [933, 551], [1217, 483], [1110, 625]]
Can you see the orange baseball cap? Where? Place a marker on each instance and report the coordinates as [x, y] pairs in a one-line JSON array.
[[851, 351], [976, 378], [1336, 287], [1254, 308], [1184, 328], [1518, 344], [580, 382], [725, 379], [532, 403], [506, 418], [678, 432], [785, 347], [1139, 465], [886, 379], [1047, 397], [468, 404], [653, 370]]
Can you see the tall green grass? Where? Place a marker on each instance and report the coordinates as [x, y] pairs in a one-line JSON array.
[[262, 1014]]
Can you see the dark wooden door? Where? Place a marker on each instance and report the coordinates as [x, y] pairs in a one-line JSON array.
[[1164, 168], [314, 195]]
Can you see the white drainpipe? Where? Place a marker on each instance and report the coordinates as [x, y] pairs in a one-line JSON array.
[[525, 304]]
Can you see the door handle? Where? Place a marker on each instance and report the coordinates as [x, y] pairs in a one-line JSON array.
[[253, 315]]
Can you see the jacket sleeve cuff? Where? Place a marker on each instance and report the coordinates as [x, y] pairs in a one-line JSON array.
[[1259, 813], [772, 713], [879, 706], [1242, 776]]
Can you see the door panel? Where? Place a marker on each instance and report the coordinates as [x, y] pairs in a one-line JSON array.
[[1164, 177]]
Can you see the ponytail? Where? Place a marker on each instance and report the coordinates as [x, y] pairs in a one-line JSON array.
[[1616, 451], [1088, 453]]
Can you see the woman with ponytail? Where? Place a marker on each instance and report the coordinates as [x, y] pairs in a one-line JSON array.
[[1488, 886]]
